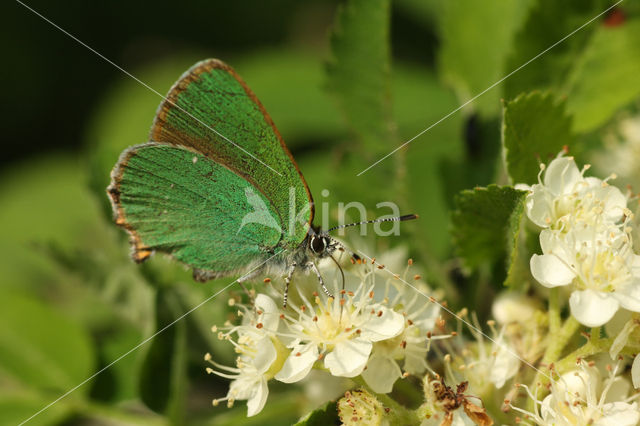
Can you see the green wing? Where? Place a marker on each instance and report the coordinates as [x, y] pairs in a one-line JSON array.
[[211, 100], [179, 201]]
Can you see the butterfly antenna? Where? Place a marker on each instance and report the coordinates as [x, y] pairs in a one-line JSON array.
[[385, 219]]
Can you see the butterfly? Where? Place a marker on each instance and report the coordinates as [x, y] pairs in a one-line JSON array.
[[216, 187]]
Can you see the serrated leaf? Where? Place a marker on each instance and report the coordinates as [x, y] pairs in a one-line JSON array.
[[605, 77], [323, 416], [476, 38], [486, 223], [359, 72], [535, 127], [40, 347]]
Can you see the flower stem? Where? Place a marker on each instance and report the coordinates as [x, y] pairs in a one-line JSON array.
[[559, 336], [590, 348], [554, 311]]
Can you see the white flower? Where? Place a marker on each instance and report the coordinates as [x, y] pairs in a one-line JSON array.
[[486, 366], [622, 337], [504, 364], [586, 242], [260, 356], [511, 306], [496, 366], [601, 266], [565, 192], [339, 331], [580, 397], [411, 345]]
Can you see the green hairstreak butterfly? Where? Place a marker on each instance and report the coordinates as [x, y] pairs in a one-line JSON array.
[[216, 187]]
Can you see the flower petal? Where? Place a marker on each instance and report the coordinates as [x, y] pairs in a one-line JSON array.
[[538, 206], [383, 324], [549, 271], [592, 308], [349, 357], [549, 241], [511, 306], [621, 338], [381, 373], [635, 372], [266, 354], [629, 295], [615, 203], [619, 389], [256, 403], [619, 414], [562, 175], [270, 315], [298, 363], [505, 365]]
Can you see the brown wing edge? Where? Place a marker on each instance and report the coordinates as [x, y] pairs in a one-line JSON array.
[[191, 75], [139, 251]]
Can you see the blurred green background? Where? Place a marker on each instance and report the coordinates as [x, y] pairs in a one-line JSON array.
[[345, 82]]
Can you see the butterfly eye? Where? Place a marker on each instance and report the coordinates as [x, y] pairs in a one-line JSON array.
[[318, 244]]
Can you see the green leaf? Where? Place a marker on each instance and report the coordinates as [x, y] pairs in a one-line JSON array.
[[41, 348], [120, 381], [163, 375], [359, 73], [421, 101], [325, 415], [518, 271], [548, 22], [359, 77], [476, 38], [43, 200], [486, 223], [15, 408], [289, 84], [535, 127], [605, 78]]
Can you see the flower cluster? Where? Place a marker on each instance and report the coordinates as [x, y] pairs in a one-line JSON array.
[[373, 329], [485, 365], [586, 241], [583, 397], [378, 328]]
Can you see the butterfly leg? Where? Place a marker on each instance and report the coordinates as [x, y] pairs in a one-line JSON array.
[[287, 280], [314, 267]]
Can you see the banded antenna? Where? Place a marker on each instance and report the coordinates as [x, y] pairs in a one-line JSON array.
[[386, 219]]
